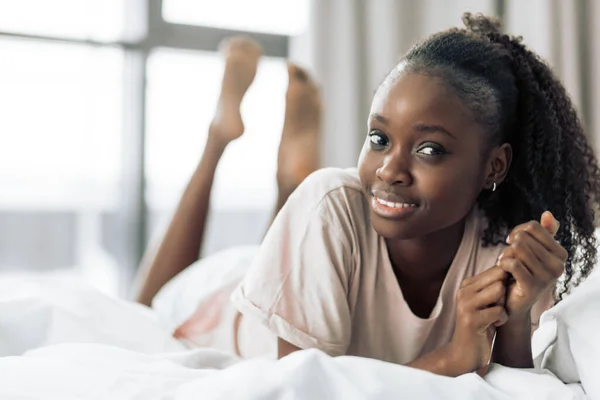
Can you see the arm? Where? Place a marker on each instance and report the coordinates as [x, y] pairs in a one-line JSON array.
[[180, 246], [285, 348], [470, 347], [513, 343], [477, 310], [441, 361], [534, 261]]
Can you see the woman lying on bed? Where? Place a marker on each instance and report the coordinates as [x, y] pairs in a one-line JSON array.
[[471, 212]]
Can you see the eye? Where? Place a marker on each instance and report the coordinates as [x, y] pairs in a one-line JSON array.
[[431, 149], [378, 140]]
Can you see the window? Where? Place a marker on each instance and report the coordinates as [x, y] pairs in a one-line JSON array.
[[182, 93], [271, 16], [60, 158], [100, 135], [101, 20], [63, 132]]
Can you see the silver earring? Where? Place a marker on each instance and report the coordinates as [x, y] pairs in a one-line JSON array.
[[494, 187]]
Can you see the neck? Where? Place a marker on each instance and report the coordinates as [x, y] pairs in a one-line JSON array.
[[428, 258]]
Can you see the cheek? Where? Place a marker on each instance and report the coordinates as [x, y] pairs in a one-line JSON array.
[[367, 165], [458, 187]]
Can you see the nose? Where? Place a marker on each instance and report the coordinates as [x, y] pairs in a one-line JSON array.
[[395, 170]]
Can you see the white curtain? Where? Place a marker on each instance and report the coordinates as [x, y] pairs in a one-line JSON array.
[[351, 45], [564, 33]]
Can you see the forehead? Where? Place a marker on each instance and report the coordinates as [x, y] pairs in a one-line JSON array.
[[414, 98]]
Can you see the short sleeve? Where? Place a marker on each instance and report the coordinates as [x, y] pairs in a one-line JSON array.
[[297, 285]]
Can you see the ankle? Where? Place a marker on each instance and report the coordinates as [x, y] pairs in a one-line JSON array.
[[215, 144], [218, 136]]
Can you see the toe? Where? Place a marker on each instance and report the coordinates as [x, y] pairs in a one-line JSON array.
[[297, 73], [240, 44]]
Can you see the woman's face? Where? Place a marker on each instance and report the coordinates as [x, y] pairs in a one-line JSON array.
[[424, 162]]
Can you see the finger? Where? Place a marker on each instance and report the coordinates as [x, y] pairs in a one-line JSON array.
[[521, 251], [488, 296], [491, 316], [484, 278], [537, 259], [549, 223], [535, 229], [502, 300], [517, 270], [541, 235]]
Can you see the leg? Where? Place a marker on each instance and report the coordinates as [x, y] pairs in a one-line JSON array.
[[182, 242], [299, 149]]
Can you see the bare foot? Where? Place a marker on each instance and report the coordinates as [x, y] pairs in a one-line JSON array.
[[241, 61], [299, 148]]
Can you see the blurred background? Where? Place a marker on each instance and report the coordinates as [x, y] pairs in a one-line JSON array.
[[105, 105]]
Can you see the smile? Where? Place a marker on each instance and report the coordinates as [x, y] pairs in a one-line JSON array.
[[389, 209], [393, 205]]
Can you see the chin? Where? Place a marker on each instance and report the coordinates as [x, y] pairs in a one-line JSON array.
[[391, 229]]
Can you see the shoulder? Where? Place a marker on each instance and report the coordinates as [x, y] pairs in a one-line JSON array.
[[330, 201], [327, 180], [330, 188]]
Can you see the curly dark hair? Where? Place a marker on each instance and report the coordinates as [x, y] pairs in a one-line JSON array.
[[515, 95]]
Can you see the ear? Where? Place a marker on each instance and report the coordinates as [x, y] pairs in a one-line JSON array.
[[498, 165]]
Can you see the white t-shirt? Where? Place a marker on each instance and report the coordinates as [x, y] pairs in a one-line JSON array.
[[323, 278]]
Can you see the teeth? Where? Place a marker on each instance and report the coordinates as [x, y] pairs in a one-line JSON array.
[[394, 205]]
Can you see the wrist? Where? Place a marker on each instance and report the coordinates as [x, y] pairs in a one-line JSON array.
[[513, 343], [442, 361], [455, 361], [517, 322]]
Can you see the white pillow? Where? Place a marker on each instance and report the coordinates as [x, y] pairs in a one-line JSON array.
[[179, 298], [568, 339]]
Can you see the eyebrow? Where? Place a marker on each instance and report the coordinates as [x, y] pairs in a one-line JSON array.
[[418, 127], [380, 118], [432, 128]]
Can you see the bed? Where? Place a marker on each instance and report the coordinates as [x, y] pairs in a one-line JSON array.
[[60, 339]]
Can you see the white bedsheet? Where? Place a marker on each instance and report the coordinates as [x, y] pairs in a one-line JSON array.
[[123, 353], [41, 311], [93, 371]]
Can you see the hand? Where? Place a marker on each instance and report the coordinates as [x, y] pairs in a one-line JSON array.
[[534, 260], [479, 307]]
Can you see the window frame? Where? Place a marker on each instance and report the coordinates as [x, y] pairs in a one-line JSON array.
[[146, 30]]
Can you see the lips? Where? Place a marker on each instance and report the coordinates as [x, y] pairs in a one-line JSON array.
[[393, 199], [391, 205]]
